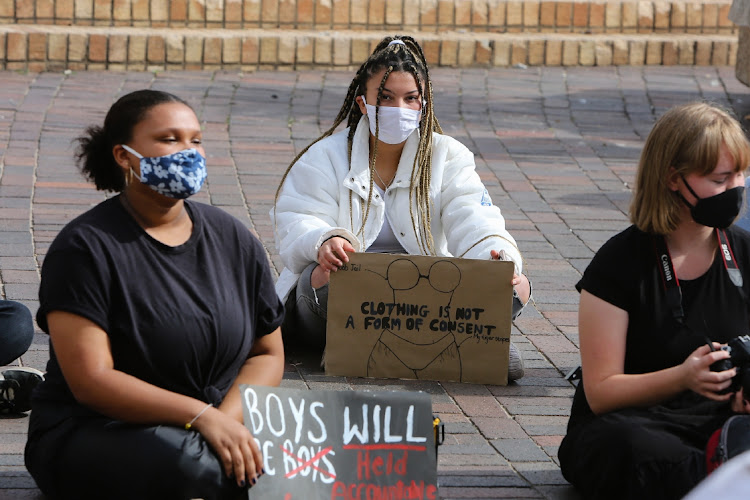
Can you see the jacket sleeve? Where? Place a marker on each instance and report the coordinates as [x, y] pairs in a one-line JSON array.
[[306, 211], [472, 224]]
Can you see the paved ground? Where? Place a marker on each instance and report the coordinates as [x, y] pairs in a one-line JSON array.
[[556, 147]]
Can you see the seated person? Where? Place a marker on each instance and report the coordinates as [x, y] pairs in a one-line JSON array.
[[351, 191], [657, 301], [157, 309]]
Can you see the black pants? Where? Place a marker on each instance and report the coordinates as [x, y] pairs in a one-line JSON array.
[[95, 458], [637, 454], [16, 330]]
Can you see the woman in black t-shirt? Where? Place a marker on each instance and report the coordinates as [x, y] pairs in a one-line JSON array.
[[657, 302], [157, 309]]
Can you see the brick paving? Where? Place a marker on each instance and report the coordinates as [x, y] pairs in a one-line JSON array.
[[557, 148]]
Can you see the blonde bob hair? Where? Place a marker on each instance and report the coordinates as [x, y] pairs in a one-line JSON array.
[[687, 138]]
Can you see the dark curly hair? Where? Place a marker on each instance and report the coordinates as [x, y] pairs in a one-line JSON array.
[[94, 151]]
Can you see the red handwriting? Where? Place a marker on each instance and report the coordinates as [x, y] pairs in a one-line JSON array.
[[399, 491], [378, 466], [311, 463]]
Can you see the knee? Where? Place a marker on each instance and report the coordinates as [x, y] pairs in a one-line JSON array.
[[16, 317], [195, 469], [319, 277], [16, 329]]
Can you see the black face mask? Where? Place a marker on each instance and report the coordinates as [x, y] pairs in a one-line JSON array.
[[717, 211]]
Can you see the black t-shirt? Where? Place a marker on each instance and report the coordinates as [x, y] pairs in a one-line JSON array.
[[182, 318], [626, 273]]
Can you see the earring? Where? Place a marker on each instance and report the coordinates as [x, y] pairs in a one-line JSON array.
[[129, 177]]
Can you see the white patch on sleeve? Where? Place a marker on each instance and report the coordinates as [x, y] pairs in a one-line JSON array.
[[486, 200]]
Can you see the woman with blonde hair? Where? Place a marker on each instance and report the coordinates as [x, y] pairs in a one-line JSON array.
[[657, 302], [390, 182]]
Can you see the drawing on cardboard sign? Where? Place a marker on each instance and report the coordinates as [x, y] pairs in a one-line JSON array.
[[404, 316]]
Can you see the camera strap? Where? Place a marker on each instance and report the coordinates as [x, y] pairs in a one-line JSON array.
[[669, 278]]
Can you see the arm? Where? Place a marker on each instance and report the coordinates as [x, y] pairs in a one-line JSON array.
[[468, 215], [603, 330], [305, 214], [265, 366], [84, 353]]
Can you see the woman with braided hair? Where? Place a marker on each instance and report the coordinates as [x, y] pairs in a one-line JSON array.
[[350, 191]]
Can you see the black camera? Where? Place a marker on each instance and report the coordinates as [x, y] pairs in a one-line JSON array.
[[739, 356]]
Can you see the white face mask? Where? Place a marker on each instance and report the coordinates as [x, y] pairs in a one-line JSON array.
[[396, 124]]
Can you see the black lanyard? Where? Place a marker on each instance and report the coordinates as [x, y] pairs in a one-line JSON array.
[[672, 284]]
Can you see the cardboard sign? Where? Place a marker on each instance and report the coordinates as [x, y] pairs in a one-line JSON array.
[[342, 444], [433, 318]]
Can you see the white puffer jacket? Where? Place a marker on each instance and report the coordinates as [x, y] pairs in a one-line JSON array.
[[314, 204]]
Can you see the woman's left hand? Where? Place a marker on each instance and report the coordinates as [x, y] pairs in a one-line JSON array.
[[739, 403], [233, 444], [519, 281]]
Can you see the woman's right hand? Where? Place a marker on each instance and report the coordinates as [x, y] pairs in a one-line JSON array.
[[332, 253], [698, 376], [233, 444]]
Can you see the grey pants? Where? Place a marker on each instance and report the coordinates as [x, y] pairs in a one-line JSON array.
[[307, 312], [306, 309]]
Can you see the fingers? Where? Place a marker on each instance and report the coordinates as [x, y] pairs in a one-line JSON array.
[[257, 459], [745, 405], [714, 385], [703, 356], [243, 460], [495, 255], [739, 405], [712, 357], [716, 396], [347, 247], [239, 465], [705, 349], [235, 446], [333, 253], [250, 465]]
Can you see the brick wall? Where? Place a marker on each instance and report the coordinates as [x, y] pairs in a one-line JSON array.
[[141, 49], [56, 35], [432, 16]]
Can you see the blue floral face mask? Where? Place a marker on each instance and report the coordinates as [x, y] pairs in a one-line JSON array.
[[178, 175]]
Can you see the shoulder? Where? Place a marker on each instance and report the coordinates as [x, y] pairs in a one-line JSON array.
[[94, 226], [329, 156], [740, 239], [215, 219], [618, 259], [336, 144], [630, 240], [224, 228], [209, 212], [449, 146]]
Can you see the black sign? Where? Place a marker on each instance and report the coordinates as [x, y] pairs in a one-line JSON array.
[[348, 445]]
